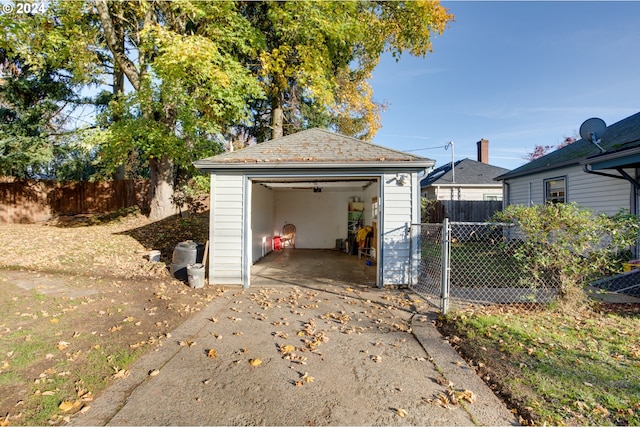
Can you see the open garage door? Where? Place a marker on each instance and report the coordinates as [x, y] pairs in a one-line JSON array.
[[327, 213]]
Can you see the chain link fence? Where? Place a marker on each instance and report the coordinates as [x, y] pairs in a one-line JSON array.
[[465, 262]]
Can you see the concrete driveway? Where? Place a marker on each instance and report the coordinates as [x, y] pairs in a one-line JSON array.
[[299, 350]]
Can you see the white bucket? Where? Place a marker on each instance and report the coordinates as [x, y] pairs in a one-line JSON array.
[[154, 256], [195, 275]]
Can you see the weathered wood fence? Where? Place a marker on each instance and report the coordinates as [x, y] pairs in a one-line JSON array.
[[27, 201], [464, 210]]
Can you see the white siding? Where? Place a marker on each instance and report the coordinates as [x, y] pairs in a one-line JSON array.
[[602, 194], [399, 206], [226, 229]]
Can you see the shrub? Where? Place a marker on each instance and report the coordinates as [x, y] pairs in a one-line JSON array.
[[571, 244]]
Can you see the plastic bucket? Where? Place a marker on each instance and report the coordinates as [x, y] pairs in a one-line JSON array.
[[154, 256], [184, 253], [195, 275]]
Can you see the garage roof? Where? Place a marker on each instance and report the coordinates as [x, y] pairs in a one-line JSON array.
[[313, 148]]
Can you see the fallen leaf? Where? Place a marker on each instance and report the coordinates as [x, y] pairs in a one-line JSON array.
[[211, 353], [153, 372], [287, 349], [255, 362], [67, 405], [401, 412], [307, 378], [121, 374], [62, 345]]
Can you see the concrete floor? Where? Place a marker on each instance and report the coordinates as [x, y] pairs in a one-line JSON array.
[[313, 266]]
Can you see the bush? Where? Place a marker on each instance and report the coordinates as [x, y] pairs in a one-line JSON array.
[[570, 244]]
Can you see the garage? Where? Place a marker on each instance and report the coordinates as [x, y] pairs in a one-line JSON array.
[[325, 186]]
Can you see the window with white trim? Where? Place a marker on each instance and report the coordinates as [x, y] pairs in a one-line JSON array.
[[555, 190]]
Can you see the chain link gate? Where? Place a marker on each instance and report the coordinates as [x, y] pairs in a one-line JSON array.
[[468, 262]]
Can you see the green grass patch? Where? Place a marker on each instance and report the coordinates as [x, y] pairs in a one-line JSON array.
[[582, 369]]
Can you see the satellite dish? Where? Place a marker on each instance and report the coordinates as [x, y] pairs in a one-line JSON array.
[[592, 130]]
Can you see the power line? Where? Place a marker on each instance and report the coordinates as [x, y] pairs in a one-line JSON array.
[[427, 148]]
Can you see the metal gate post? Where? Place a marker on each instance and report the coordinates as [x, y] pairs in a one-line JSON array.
[[446, 242]]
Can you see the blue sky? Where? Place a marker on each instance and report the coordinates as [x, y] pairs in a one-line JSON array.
[[516, 73]]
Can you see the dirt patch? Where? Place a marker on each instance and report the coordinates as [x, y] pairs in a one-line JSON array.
[[78, 304]]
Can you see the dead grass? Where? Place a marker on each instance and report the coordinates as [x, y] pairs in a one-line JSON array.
[[80, 302]]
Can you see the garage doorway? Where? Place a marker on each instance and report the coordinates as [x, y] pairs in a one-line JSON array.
[[327, 212]]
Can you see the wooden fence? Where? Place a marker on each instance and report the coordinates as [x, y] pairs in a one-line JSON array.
[[463, 210], [28, 201]]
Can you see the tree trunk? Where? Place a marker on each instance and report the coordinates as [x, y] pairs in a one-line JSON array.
[[161, 190], [118, 89], [277, 118]]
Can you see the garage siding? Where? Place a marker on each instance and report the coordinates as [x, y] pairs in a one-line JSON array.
[[398, 212], [226, 229]]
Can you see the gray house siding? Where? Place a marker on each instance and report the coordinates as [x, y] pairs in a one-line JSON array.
[[599, 193]]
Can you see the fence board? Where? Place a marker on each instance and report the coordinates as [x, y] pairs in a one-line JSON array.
[[28, 201], [464, 210]]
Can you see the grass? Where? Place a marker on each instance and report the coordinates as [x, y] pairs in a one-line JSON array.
[[557, 368]]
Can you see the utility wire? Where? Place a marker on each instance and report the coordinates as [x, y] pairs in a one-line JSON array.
[[427, 148]]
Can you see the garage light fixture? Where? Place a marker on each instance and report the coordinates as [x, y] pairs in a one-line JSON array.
[[402, 179]]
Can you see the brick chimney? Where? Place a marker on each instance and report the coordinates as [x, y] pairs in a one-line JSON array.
[[483, 151]]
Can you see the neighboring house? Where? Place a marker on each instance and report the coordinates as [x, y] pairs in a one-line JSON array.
[[467, 180], [313, 179], [605, 181]]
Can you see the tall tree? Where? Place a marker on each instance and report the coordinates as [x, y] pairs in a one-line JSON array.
[[40, 83], [317, 57], [180, 59]]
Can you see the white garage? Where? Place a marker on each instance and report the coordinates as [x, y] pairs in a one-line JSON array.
[[328, 186]]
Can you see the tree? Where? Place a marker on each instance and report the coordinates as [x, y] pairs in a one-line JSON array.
[[316, 58], [180, 59], [199, 70], [543, 150], [39, 89]]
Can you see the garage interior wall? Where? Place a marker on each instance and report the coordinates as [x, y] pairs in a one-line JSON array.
[[320, 217], [262, 220]]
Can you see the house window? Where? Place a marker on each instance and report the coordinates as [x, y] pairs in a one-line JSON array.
[[492, 197], [555, 190]]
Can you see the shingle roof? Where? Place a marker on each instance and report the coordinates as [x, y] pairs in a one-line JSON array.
[[312, 146], [621, 135], [467, 171]]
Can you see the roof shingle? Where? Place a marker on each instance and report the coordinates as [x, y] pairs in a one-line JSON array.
[[312, 146]]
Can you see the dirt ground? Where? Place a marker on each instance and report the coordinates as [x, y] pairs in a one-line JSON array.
[[79, 303]]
